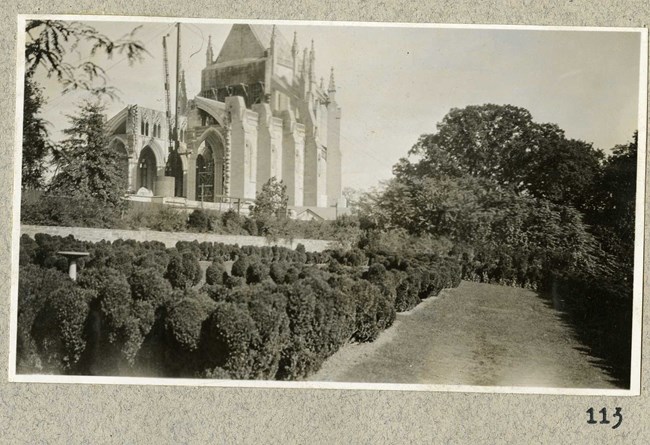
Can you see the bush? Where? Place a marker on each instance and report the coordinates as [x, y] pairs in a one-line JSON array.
[[114, 298], [184, 270], [257, 271], [58, 330], [207, 251], [119, 255], [155, 259], [185, 318], [148, 285], [35, 285], [293, 274], [300, 254], [240, 267], [182, 333], [136, 329], [232, 281], [371, 313], [232, 222], [156, 217], [215, 272], [355, 257], [45, 253], [28, 249], [126, 310], [228, 337], [115, 343], [267, 308], [278, 271], [72, 211], [198, 221], [407, 291], [190, 246], [251, 227], [299, 359]]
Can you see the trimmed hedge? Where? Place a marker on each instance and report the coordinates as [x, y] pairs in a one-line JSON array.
[[138, 308]]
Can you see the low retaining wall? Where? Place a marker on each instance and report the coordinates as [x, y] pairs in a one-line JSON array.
[[170, 238]]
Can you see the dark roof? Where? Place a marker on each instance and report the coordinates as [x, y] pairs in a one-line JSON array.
[[251, 41], [282, 45]]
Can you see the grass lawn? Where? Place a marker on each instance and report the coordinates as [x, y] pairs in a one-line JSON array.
[[477, 334]]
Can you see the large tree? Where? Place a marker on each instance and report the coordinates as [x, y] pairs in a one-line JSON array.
[[562, 170], [51, 50], [503, 143], [480, 141], [495, 181], [86, 165], [612, 203], [36, 142], [512, 194]]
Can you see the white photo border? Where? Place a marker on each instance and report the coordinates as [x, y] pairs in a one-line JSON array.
[[635, 372]]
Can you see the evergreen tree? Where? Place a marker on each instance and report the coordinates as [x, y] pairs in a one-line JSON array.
[[272, 200], [85, 164], [51, 48], [36, 144]]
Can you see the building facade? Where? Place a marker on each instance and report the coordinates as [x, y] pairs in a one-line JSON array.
[[261, 113]]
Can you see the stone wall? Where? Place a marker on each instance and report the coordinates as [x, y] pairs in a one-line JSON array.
[[169, 238]]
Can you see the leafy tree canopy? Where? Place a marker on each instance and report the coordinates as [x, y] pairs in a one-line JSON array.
[[503, 143], [612, 205], [49, 42]]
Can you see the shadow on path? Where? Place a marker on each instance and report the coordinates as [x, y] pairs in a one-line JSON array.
[[476, 334]]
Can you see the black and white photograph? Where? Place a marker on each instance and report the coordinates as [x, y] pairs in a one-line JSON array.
[[328, 205]]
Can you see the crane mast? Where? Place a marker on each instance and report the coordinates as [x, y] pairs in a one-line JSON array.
[[168, 112], [173, 167], [177, 127]]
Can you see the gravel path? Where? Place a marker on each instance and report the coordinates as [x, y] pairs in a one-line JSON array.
[[477, 334]]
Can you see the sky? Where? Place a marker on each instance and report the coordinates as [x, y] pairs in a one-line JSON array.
[[396, 83]]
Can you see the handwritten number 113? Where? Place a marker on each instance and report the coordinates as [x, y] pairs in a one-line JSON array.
[[604, 420]]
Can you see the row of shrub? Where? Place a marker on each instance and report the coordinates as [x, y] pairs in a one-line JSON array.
[[139, 308], [595, 297], [73, 211]]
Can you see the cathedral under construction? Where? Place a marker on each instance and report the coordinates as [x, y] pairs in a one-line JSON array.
[[261, 113]]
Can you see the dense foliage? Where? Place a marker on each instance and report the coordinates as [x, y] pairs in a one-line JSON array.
[[260, 313], [52, 49], [85, 165], [502, 143], [36, 142], [523, 205], [271, 201], [79, 211], [491, 196]]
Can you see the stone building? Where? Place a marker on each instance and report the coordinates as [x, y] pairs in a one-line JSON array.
[[261, 113]]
